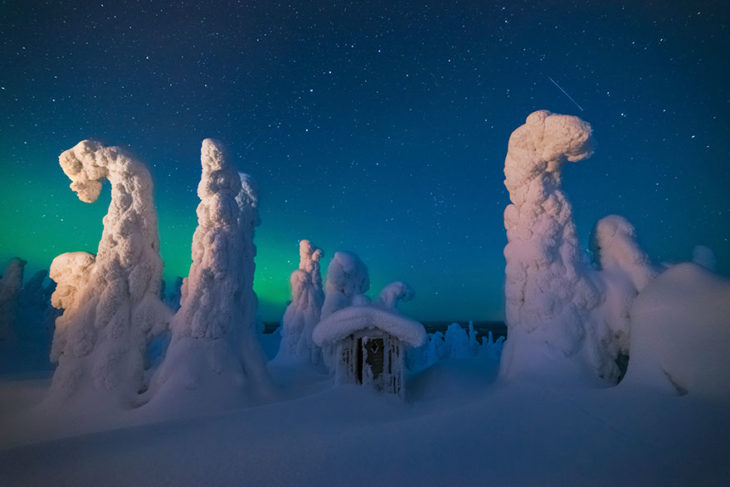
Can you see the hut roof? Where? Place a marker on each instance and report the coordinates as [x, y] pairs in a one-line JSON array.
[[348, 320]]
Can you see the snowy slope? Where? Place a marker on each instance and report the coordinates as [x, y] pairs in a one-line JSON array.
[[456, 428]]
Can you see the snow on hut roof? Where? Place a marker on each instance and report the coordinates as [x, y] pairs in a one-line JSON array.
[[346, 321]]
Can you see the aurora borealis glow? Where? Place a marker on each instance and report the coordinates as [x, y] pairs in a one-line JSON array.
[[378, 128]]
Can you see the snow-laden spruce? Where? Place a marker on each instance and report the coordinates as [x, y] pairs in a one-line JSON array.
[[214, 356], [558, 309], [302, 314], [347, 282], [10, 284], [111, 301], [624, 271]]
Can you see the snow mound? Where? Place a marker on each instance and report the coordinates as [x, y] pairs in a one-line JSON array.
[[680, 334], [344, 322]]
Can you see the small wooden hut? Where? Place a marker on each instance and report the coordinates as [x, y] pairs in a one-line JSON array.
[[369, 346]]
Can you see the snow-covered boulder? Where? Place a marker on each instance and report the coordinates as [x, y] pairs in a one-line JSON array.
[[680, 334], [214, 356], [111, 301]]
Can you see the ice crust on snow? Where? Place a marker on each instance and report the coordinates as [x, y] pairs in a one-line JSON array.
[[303, 312], [347, 321], [213, 353], [680, 334], [111, 301]]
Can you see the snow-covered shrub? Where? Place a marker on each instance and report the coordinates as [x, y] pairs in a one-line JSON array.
[[303, 312], [111, 301], [214, 354], [457, 343]]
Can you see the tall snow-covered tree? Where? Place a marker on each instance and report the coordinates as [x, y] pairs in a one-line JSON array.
[[303, 312], [214, 355], [562, 314], [111, 301]]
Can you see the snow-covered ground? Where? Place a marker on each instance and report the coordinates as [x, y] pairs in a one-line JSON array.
[[458, 426]]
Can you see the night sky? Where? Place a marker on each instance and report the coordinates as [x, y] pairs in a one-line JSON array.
[[376, 127]]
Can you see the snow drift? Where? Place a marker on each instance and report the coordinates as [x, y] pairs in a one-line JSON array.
[[680, 334], [111, 301]]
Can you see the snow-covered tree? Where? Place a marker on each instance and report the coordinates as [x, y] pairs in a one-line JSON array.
[[347, 282], [394, 293], [548, 290], [624, 271], [111, 301], [214, 356], [303, 312], [10, 284], [562, 314]]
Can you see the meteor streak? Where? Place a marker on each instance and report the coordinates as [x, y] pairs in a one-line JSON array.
[[566, 93]]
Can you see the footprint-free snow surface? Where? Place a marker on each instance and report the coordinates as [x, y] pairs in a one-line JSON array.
[[458, 426]]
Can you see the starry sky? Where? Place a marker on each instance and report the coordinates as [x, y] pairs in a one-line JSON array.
[[376, 127]]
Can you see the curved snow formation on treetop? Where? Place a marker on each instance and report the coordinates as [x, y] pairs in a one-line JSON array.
[[213, 353], [111, 301], [394, 293], [548, 294], [304, 310], [344, 322]]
